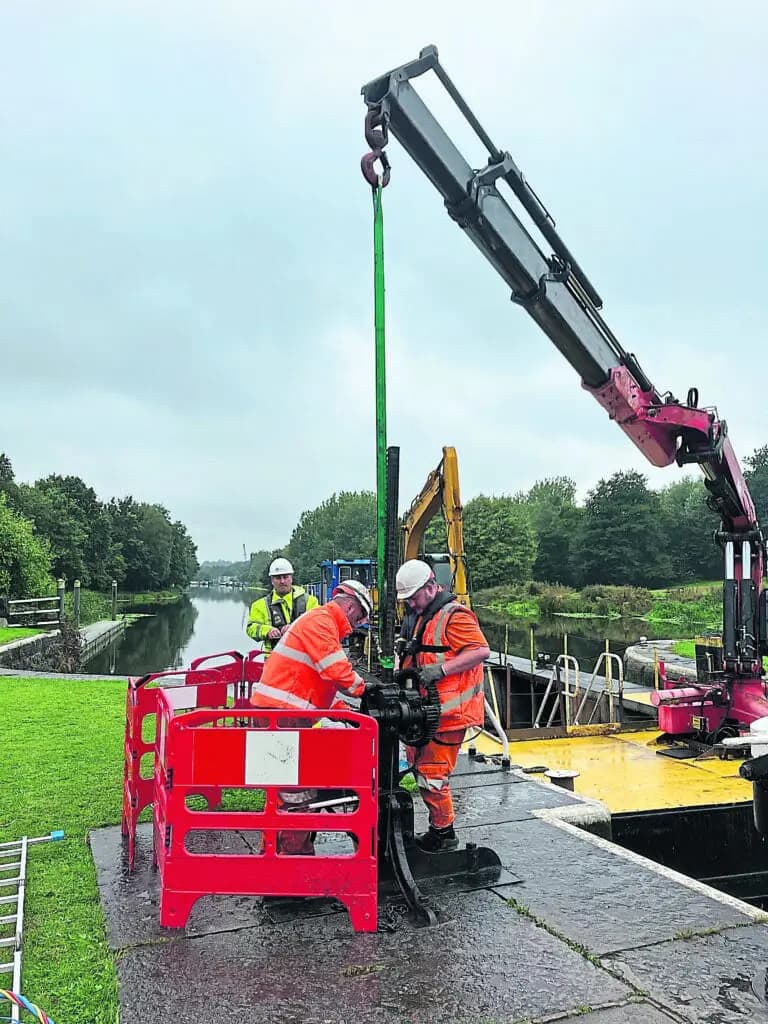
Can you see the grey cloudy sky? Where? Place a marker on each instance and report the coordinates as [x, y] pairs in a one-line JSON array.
[[185, 244]]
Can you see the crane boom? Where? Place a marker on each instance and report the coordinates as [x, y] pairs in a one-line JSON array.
[[558, 296]]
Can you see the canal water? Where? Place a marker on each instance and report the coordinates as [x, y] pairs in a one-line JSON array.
[[211, 620]]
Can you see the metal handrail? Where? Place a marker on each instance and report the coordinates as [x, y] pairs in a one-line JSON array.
[[570, 664], [608, 659]]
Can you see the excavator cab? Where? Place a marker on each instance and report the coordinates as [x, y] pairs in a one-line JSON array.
[[441, 567]]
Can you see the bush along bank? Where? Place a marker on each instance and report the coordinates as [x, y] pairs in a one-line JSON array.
[[698, 606]]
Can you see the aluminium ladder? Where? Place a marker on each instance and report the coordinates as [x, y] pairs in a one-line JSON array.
[[13, 875]]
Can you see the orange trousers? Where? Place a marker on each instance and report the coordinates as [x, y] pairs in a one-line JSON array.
[[433, 766]]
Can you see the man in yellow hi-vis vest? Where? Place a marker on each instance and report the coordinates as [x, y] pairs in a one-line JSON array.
[[271, 615]]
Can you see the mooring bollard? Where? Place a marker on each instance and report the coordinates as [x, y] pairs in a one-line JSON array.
[[60, 595], [76, 603], [114, 600]]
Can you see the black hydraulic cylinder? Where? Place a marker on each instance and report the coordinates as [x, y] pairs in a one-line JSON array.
[[730, 590], [553, 290], [747, 610]]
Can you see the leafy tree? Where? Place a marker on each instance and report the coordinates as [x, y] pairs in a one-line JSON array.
[[556, 518], [257, 566], [499, 539], [25, 559], [344, 526], [183, 562], [66, 511], [57, 519], [620, 538], [688, 528], [8, 485], [756, 476]]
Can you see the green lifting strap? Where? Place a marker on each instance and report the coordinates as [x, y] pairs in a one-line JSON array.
[[381, 398]]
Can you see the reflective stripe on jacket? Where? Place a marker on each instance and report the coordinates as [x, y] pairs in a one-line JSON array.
[[260, 617], [308, 665], [462, 697]]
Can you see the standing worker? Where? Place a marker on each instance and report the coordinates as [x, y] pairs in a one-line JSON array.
[[306, 671], [443, 640], [271, 615]]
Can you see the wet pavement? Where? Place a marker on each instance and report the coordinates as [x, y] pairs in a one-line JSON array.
[[590, 932]]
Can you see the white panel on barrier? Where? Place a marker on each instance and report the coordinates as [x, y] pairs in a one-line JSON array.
[[181, 698], [272, 758]]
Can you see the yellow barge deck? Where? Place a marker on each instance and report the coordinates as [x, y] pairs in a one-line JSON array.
[[625, 772]]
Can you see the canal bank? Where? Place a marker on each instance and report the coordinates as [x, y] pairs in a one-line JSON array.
[[210, 619]]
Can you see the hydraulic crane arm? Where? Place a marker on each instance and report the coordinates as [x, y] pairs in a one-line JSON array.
[[558, 296], [554, 290], [440, 493]]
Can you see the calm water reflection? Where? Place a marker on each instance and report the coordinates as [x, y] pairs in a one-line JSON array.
[[212, 619]]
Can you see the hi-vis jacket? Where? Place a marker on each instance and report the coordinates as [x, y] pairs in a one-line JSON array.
[[308, 666], [273, 611], [447, 632]]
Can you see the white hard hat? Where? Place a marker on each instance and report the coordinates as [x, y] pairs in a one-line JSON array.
[[411, 576], [281, 567], [361, 593]]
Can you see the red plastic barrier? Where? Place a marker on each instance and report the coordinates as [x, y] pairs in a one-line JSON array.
[[190, 688], [276, 752]]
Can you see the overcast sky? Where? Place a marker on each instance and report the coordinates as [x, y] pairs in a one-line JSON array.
[[185, 244]]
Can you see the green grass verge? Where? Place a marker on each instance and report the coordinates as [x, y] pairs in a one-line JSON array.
[[10, 633], [61, 767], [150, 597], [687, 649]]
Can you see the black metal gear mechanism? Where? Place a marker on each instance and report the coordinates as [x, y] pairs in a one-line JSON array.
[[423, 701]]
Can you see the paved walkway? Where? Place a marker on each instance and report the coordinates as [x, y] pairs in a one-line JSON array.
[[592, 932]]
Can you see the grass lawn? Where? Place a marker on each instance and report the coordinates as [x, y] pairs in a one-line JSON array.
[[10, 633], [61, 767], [687, 649]]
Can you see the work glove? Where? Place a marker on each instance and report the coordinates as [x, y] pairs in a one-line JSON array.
[[431, 673], [372, 686]]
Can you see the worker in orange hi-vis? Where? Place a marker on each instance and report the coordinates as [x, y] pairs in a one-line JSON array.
[[309, 670], [442, 639]]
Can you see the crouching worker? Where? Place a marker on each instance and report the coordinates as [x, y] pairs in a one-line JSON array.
[[443, 640], [308, 670]]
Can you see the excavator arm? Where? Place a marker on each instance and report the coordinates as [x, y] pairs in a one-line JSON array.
[[440, 494], [556, 293]]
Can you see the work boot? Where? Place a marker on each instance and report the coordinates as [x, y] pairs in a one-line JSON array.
[[435, 840]]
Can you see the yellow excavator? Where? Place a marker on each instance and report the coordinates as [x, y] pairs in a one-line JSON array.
[[440, 493]]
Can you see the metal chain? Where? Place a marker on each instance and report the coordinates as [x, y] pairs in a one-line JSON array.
[[377, 137]]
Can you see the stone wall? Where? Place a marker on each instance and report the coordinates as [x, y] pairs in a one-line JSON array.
[[639, 668], [18, 654]]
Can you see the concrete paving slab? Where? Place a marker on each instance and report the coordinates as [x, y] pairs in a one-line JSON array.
[[131, 902], [594, 896], [717, 979], [488, 964]]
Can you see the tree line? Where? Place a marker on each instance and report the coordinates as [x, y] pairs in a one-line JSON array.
[[58, 528], [624, 533]]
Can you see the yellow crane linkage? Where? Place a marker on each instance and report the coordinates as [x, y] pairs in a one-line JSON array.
[[440, 492]]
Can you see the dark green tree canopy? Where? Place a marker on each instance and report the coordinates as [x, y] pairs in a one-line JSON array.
[[620, 538], [756, 475], [344, 526], [25, 559], [134, 543], [500, 541]]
